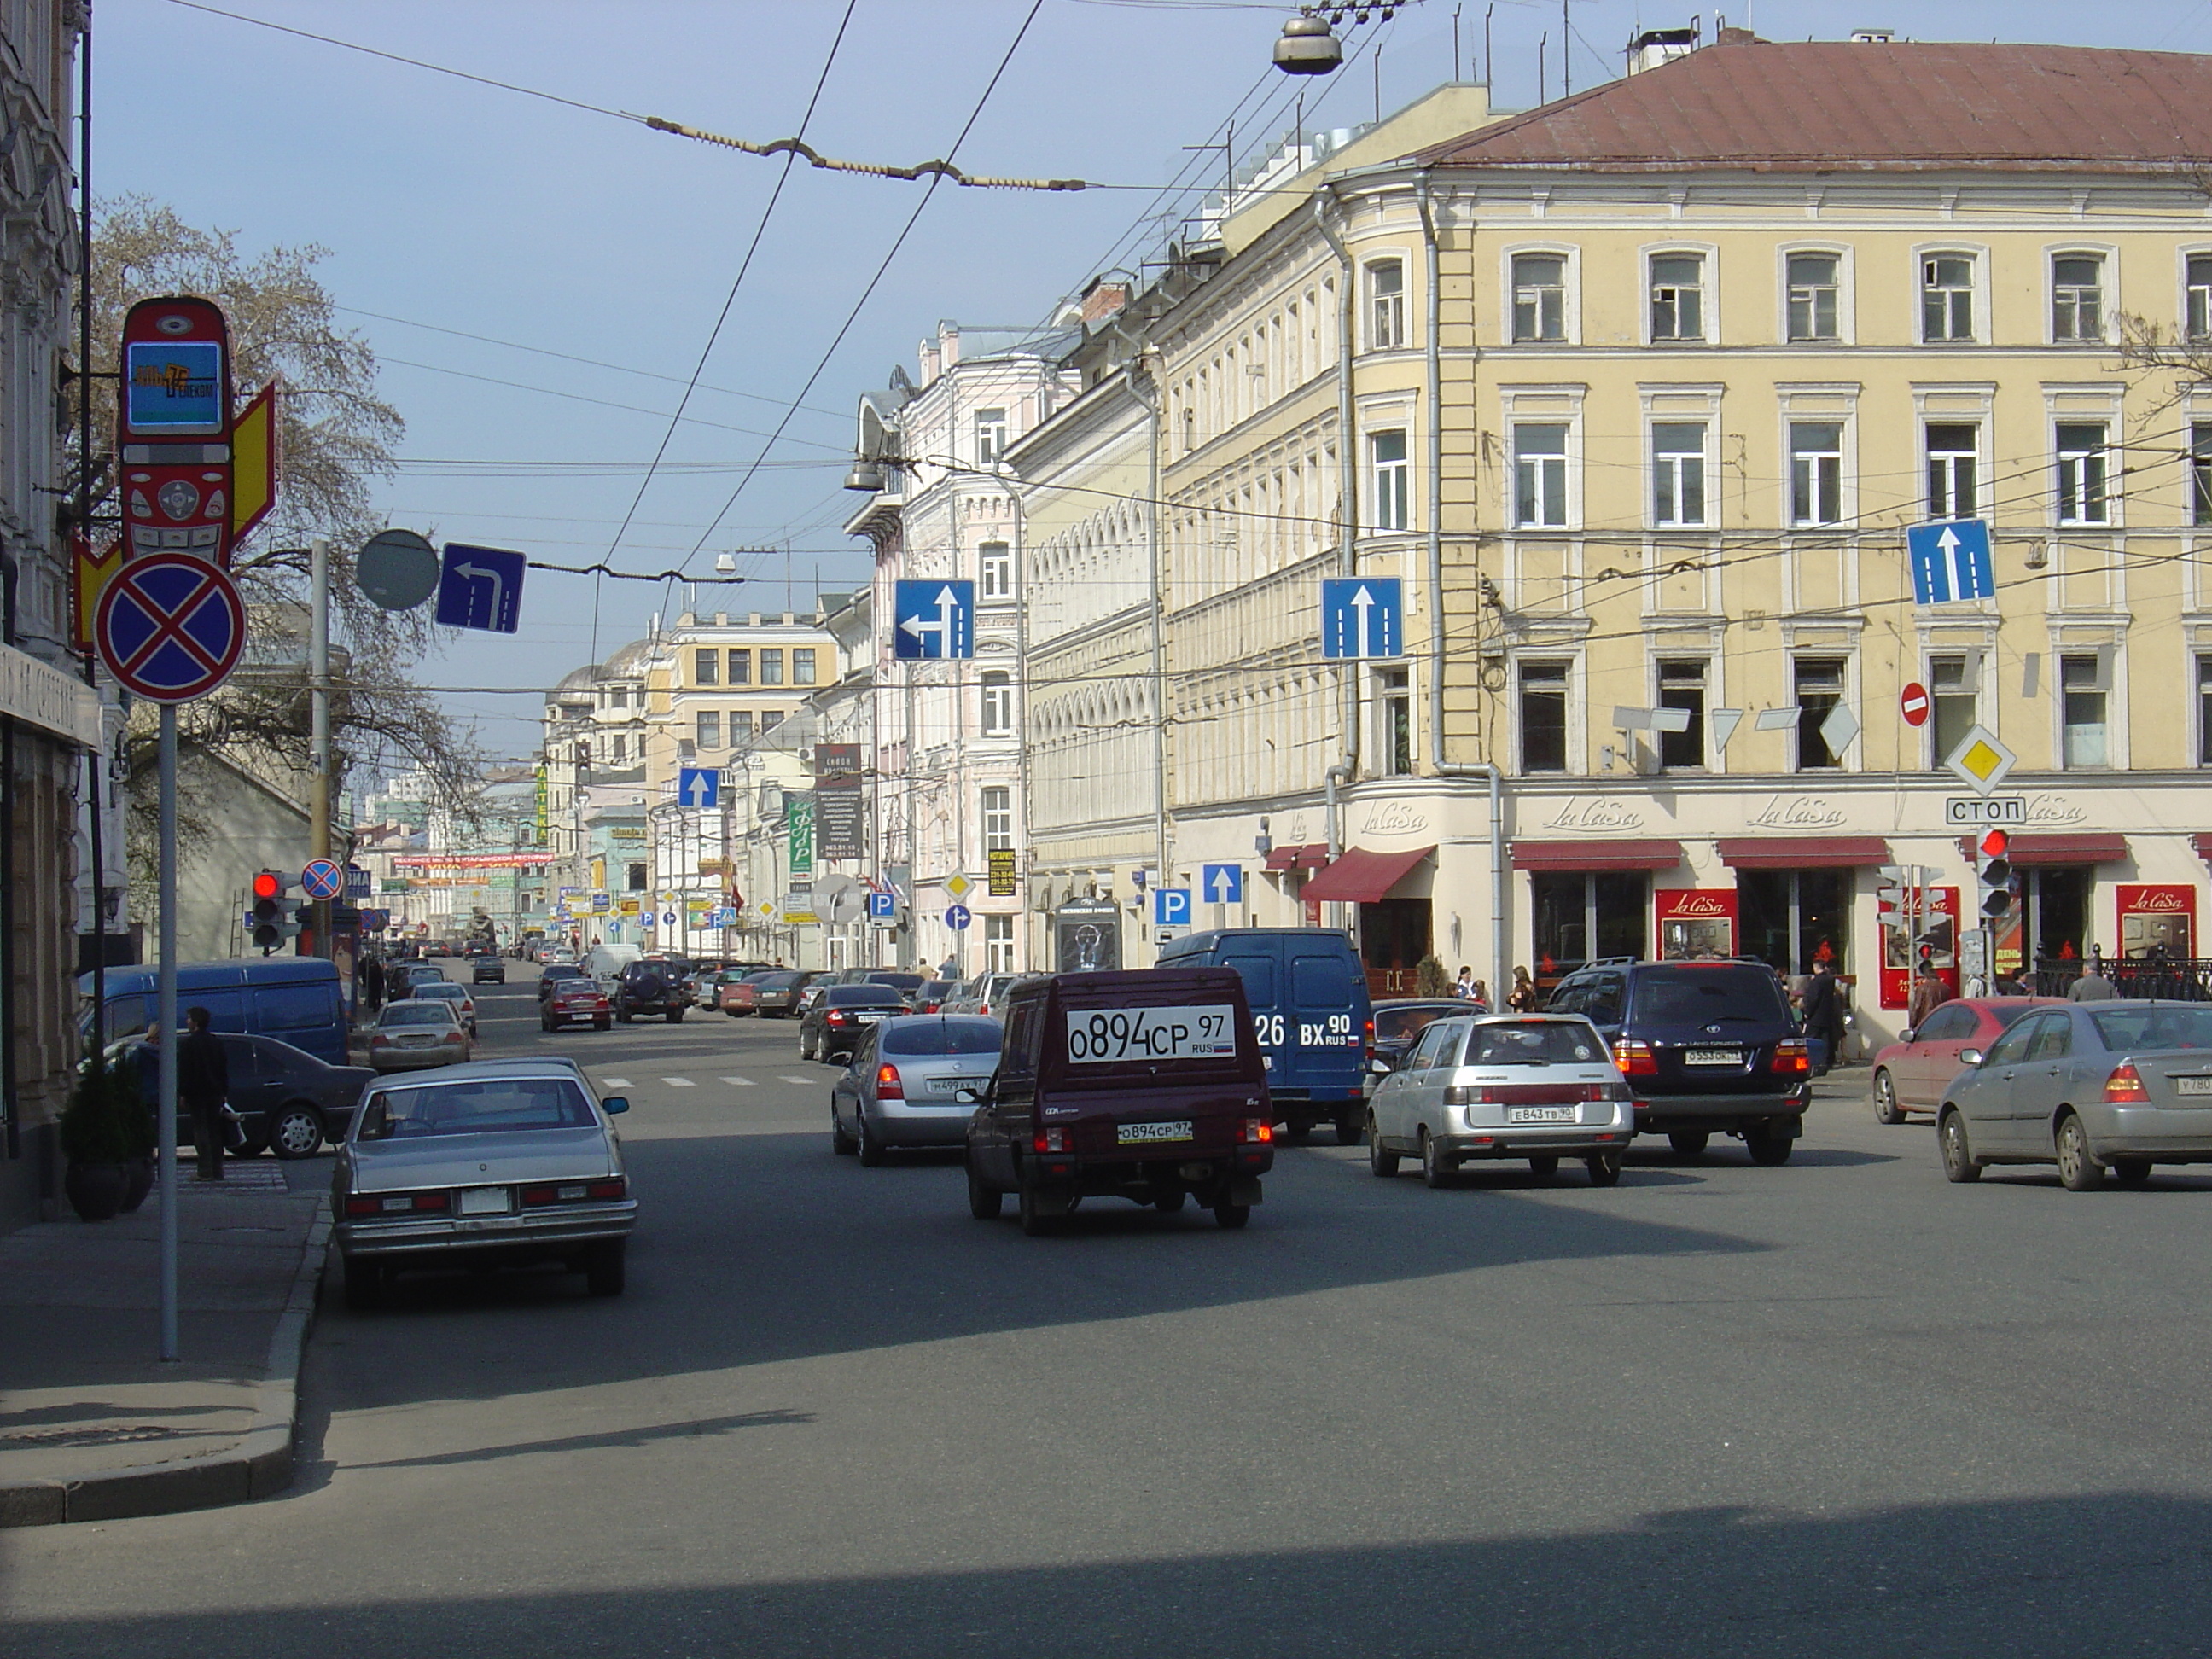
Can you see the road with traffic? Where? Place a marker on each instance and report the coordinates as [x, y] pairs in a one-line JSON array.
[[1834, 1408]]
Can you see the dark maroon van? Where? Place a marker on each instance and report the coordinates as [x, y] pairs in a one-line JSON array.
[[1146, 1085]]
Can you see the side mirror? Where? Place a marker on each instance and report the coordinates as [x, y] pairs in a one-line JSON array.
[[1378, 1066], [969, 1097], [615, 1105], [1907, 1035], [1969, 1056]]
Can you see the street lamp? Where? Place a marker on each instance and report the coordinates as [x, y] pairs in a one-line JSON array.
[[866, 475], [1308, 47]]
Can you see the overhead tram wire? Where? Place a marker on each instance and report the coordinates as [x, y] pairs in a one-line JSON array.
[[722, 317]]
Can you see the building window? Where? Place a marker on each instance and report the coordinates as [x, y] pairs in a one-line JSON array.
[[1540, 475], [2083, 686], [1386, 301], [1819, 690], [1793, 920], [1543, 717], [995, 562], [1385, 452], [1395, 723], [2082, 473], [802, 665], [1682, 685], [1540, 296], [1816, 472], [2077, 297], [1678, 472], [1813, 289], [998, 944], [634, 876], [998, 704], [998, 820], [771, 667], [707, 666], [741, 668], [709, 729], [1952, 447], [2200, 473], [741, 726], [1946, 297], [617, 748], [2196, 303], [1577, 916], [2204, 711], [1953, 689], [990, 436], [1678, 297], [769, 720]]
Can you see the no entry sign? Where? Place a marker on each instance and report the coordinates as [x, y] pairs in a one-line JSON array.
[[170, 627], [1912, 703]]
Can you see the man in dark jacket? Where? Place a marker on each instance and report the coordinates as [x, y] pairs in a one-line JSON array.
[[1823, 1009], [203, 1086]]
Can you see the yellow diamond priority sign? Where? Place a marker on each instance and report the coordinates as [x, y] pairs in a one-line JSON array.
[[1980, 760], [958, 887]]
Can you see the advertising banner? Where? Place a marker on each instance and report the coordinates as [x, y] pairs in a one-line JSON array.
[[839, 832], [799, 824], [1935, 912], [836, 760], [2157, 921], [1000, 870], [1695, 922]]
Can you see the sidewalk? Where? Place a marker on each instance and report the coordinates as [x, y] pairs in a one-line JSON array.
[[92, 1426]]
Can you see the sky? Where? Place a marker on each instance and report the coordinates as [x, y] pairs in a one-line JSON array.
[[483, 241]]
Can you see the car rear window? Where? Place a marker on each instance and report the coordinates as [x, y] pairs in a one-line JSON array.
[[1700, 996], [778, 981], [954, 1034], [861, 996], [1393, 1023], [493, 1106], [1532, 1042], [2005, 1014], [2155, 1027], [444, 989], [901, 981], [419, 1013]]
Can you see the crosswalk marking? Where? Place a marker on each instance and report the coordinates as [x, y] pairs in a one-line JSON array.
[[679, 1082], [802, 1082], [741, 1082], [616, 1082]]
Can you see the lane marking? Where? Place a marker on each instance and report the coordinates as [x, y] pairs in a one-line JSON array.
[[616, 1082], [741, 1082], [803, 1082], [679, 1083]]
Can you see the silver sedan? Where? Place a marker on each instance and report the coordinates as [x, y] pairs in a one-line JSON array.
[[417, 1032], [903, 1087], [502, 1161], [2118, 1085]]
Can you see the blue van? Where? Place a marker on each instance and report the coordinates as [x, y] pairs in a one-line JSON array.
[[293, 998], [1310, 1012]]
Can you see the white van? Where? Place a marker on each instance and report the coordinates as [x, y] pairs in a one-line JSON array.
[[605, 962]]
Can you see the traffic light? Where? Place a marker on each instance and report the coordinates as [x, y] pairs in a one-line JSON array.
[[1997, 882], [268, 923]]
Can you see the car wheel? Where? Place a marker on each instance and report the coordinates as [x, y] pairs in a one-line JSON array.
[[1958, 1163], [1349, 1128], [1379, 1162], [544, 1023], [2131, 1171], [1886, 1108], [602, 1024], [871, 1148], [1604, 1168], [1232, 1216], [622, 1015], [840, 1138], [1767, 1147], [1295, 1130], [1034, 1222], [605, 1267], [984, 1201], [1433, 1170], [2078, 1170], [364, 1285], [1169, 1203], [675, 1016], [1688, 1143], [296, 1131]]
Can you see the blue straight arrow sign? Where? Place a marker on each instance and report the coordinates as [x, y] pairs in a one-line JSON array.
[[1361, 616], [1951, 562], [1222, 884], [698, 786]]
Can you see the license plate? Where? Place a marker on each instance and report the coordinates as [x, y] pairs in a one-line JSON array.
[[1712, 1057], [953, 1085], [1540, 1115], [1132, 1134], [486, 1200], [2192, 1086], [865, 1020]]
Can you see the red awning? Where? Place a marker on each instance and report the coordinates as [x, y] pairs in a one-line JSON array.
[[2201, 844], [1282, 858], [2059, 849], [1360, 877], [1801, 852], [1314, 855], [1597, 854]]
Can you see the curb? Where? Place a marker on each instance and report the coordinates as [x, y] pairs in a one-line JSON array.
[[260, 1464]]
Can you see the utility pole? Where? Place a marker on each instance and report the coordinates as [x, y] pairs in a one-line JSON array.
[[319, 701]]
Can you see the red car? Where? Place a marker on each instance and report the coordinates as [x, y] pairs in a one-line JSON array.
[[575, 1000], [1909, 1075]]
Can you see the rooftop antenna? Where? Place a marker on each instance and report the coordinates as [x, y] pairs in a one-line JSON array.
[[1543, 46], [1489, 62], [1566, 53]]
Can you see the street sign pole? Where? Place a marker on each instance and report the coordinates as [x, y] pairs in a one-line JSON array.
[[165, 1139], [319, 701]]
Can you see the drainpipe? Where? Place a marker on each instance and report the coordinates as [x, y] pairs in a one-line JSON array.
[[1346, 771], [1488, 772]]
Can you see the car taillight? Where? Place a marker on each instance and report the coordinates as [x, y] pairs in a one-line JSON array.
[[575, 1192], [2125, 1086], [836, 1018], [1791, 1056], [386, 1203], [1635, 1058], [1051, 1140], [1256, 1129], [887, 1086]]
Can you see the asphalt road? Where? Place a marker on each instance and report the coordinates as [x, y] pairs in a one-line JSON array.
[[1834, 1408]]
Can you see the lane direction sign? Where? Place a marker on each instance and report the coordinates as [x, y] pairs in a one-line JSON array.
[[319, 879], [933, 619], [1950, 562], [481, 588], [1171, 907], [957, 916], [170, 627], [1912, 703], [1222, 884], [1362, 616], [698, 786]]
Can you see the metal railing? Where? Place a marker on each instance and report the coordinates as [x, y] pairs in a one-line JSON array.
[[2176, 979]]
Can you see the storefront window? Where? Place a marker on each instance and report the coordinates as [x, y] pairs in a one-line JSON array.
[[1793, 918], [2056, 901], [1573, 908]]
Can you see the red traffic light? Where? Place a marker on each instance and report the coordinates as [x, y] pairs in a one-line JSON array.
[[1996, 843], [266, 886]]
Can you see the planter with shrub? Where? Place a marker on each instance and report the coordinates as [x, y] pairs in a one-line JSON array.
[[107, 1136]]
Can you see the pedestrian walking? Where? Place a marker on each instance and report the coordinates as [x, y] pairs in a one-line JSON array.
[[1928, 994], [204, 1087], [372, 983], [1521, 998], [2092, 986], [1823, 1010], [1463, 987]]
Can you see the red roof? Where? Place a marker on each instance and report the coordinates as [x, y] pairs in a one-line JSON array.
[[1838, 107], [1361, 877]]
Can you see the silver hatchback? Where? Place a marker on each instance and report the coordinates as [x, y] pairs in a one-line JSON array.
[[1534, 1086], [903, 1086]]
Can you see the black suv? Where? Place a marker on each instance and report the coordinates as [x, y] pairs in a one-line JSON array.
[[652, 987], [1705, 1045]]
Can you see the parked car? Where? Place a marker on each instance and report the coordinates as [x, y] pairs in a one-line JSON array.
[[1707, 1047], [508, 1161], [834, 1025], [295, 999], [1910, 1073], [1399, 1021], [898, 979], [648, 988], [421, 973], [741, 996], [489, 970], [904, 1086], [1482, 1087], [929, 997], [445, 990], [1308, 993], [2119, 1086], [288, 1101], [983, 994], [811, 993], [572, 999], [1147, 1085], [775, 996], [415, 1033]]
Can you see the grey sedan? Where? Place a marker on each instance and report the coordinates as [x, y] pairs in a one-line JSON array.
[[903, 1086], [2096, 1086], [505, 1161]]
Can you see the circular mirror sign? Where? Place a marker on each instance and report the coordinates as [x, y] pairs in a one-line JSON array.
[[397, 570]]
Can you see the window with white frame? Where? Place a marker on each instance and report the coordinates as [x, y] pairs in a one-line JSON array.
[[1678, 473], [2077, 297], [1678, 296], [2197, 298], [1954, 691], [1947, 298], [1539, 474], [709, 727], [1951, 447], [2083, 468], [1543, 716], [2200, 473], [998, 703], [1395, 712], [771, 667], [2084, 689], [802, 665], [2204, 709], [1386, 305], [741, 726], [741, 668], [708, 667], [990, 436], [998, 944], [998, 820], [1815, 285], [1819, 687], [1816, 472], [1540, 296], [1387, 468], [995, 566], [1682, 685]]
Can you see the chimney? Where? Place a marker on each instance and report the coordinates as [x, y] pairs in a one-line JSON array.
[[1725, 36], [1652, 47], [1102, 300]]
